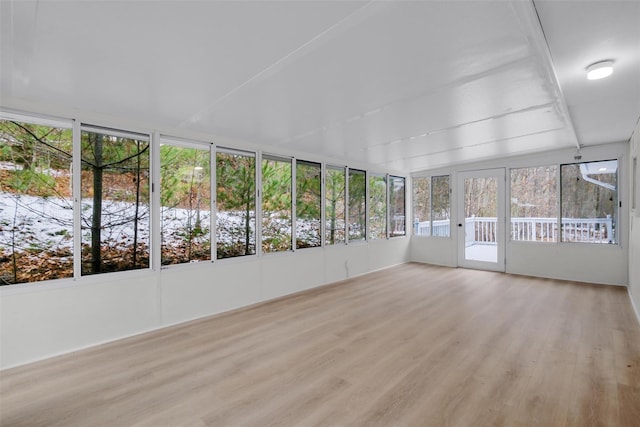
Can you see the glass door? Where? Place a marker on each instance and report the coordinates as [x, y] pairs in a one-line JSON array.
[[481, 219]]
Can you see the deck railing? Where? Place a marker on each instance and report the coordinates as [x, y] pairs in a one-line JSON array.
[[483, 229], [441, 228]]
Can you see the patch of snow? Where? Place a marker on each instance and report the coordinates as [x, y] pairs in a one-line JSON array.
[[47, 222]]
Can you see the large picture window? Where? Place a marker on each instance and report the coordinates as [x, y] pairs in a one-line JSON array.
[[377, 207], [185, 200], [357, 204], [431, 206], [115, 201], [236, 204], [589, 202], [397, 206], [36, 204], [534, 204], [41, 209], [334, 205], [276, 204], [308, 204]]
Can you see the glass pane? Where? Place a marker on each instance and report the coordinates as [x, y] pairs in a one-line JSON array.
[[481, 209], [397, 206], [36, 205], [421, 206], [440, 208], [334, 205], [308, 204], [276, 204], [377, 207], [185, 200], [115, 203], [357, 205], [589, 202], [534, 204], [236, 204]]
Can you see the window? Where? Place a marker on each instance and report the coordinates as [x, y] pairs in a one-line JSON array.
[[236, 204], [308, 204], [534, 204], [421, 190], [431, 207], [357, 204], [589, 202], [276, 204], [36, 203], [377, 207], [397, 206], [440, 206], [115, 201], [111, 208], [185, 200], [334, 205]]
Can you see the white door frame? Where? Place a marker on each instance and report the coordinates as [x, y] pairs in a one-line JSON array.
[[501, 229]]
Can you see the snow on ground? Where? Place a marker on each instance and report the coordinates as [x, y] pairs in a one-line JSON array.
[[41, 222]]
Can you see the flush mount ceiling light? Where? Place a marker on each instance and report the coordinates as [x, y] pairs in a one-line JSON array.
[[599, 70]]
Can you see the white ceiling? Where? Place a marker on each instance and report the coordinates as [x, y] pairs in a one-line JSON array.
[[404, 85]]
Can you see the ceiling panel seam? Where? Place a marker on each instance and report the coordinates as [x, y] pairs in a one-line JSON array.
[[420, 95], [418, 156], [473, 122], [359, 13], [532, 17]]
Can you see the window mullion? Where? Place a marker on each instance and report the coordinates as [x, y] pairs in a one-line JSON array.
[[431, 206], [258, 208], [323, 204], [76, 177], [347, 196], [388, 203], [294, 202], [213, 196], [155, 237], [559, 204]]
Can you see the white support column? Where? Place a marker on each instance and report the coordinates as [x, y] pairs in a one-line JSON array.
[[258, 212], [155, 239], [76, 177], [294, 202]]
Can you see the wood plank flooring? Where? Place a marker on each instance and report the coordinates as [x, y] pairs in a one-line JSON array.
[[413, 345]]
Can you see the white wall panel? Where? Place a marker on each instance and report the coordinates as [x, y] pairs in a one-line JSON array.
[[356, 260], [37, 322], [189, 292], [335, 262], [47, 322], [286, 273], [393, 251], [593, 263], [436, 250]]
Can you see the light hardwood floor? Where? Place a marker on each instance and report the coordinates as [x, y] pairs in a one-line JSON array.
[[413, 345]]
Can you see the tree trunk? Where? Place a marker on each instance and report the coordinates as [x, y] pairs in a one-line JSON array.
[[96, 218], [134, 258], [14, 258], [332, 237], [247, 223]]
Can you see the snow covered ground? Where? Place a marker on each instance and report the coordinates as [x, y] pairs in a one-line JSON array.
[[28, 222]]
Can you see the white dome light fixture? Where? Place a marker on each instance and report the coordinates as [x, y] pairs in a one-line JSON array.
[[599, 70]]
